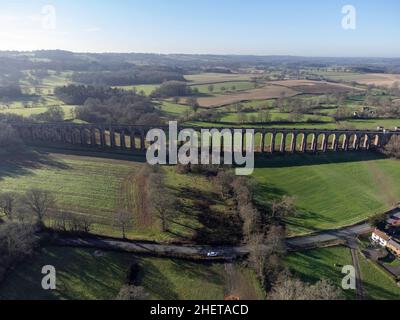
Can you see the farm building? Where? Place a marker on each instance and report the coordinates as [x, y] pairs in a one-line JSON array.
[[394, 220], [394, 247], [380, 237]]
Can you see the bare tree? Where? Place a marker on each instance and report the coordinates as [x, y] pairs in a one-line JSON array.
[[9, 138], [7, 204], [17, 241], [288, 288], [192, 101], [258, 255], [162, 201], [283, 208], [392, 148], [123, 219], [40, 202]]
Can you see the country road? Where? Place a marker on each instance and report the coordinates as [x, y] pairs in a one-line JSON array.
[[224, 252], [304, 242]]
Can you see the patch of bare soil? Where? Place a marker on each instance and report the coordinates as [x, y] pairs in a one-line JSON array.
[[267, 92], [135, 197], [316, 87], [378, 79], [237, 286]]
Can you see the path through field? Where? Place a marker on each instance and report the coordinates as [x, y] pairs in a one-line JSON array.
[[384, 183]]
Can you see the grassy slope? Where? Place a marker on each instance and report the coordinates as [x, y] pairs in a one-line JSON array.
[[330, 190], [82, 275], [239, 86], [173, 109], [317, 264], [83, 184], [98, 186], [378, 285], [26, 112], [167, 279], [146, 88]]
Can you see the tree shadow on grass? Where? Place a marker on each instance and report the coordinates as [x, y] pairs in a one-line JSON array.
[[20, 163], [298, 160], [75, 150], [216, 226], [307, 220], [155, 282]]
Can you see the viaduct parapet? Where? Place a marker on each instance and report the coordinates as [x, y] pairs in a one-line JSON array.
[[267, 140]]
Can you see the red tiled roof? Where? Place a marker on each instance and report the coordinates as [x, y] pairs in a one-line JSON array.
[[382, 235]]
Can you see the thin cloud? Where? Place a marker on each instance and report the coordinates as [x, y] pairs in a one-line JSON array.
[[93, 29]]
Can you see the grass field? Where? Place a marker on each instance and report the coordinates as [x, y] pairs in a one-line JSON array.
[[330, 190], [378, 285], [218, 87], [370, 124], [314, 265], [96, 186], [83, 275], [26, 112], [83, 184], [207, 78], [173, 109], [80, 276], [146, 88], [378, 79], [233, 117], [315, 87]]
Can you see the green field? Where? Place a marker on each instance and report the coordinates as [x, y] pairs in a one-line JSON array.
[[97, 186], [378, 285], [314, 265], [26, 112], [330, 190], [81, 184], [146, 88], [173, 109], [81, 274], [233, 117], [207, 78], [218, 87]]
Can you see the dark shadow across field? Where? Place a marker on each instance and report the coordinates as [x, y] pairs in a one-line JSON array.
[[19, 163], [296, 160]]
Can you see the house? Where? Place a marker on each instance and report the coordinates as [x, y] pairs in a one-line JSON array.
[[394, 247], [394, 220], [380, 237]]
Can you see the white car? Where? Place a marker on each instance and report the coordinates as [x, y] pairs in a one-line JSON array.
[[212, 254]]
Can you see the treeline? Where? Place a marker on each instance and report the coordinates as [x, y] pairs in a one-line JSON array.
[[172, 89], [133, 76], [11, 92], [107, 105], [78, 94], [125, 108], [154, 203]]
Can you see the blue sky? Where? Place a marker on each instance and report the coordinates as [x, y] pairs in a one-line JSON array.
[[262, 27]]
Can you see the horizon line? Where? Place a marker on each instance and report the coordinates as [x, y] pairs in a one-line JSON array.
[[206, 54]]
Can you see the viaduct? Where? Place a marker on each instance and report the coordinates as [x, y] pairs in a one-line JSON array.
[[268, 140]]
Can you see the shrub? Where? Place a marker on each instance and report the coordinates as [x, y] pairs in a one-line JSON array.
[[9, 138], [392, 148]]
